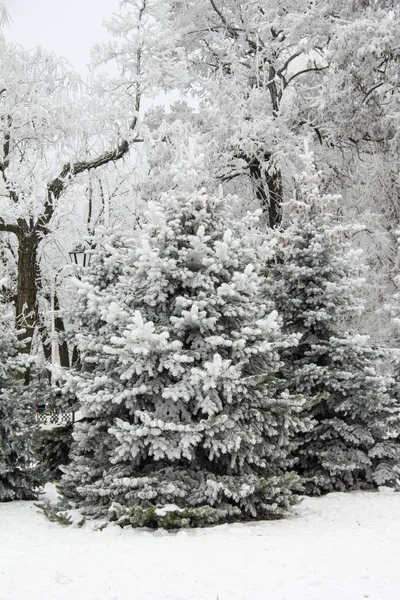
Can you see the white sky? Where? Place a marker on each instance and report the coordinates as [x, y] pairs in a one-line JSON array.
[[67, 27]]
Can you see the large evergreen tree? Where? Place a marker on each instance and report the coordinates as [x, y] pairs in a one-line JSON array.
[[185, 419], [18, 478], [355, 442]]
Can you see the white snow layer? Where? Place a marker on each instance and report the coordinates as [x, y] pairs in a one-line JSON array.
[[339, 547]]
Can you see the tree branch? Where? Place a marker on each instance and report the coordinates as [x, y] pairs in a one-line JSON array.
[[287, 63], [58, 184], [10, 228], [228, 27], [309, 70]]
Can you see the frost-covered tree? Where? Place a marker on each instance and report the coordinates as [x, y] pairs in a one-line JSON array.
[[18, 479], [358, 112], [186, 421], [48, 138], [285, 68], [355, 442], [249, 63]]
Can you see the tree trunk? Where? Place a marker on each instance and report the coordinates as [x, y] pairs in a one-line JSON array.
[[76, 359], [269, 190], [26, 305], [63, 352], [275, 193]]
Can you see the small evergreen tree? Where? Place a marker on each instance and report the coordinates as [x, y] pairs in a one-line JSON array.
[[185, 420], [18, 478], [355, 442]]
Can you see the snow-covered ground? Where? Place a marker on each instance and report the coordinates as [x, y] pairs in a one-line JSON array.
[[340, 547]]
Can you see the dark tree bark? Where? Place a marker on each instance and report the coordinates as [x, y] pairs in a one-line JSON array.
[[26, 303], [269, 190], [63, 352], [76, 358]]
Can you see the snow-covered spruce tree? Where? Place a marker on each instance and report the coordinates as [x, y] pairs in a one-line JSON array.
[[18, 479], [355, 442], [185, 420]]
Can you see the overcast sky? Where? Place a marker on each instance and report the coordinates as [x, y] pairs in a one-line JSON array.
[[67, 27]]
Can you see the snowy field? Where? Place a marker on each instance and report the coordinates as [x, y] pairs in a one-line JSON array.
[[340, 547]]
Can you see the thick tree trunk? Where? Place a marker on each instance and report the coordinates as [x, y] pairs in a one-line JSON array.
[[26, 305]]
